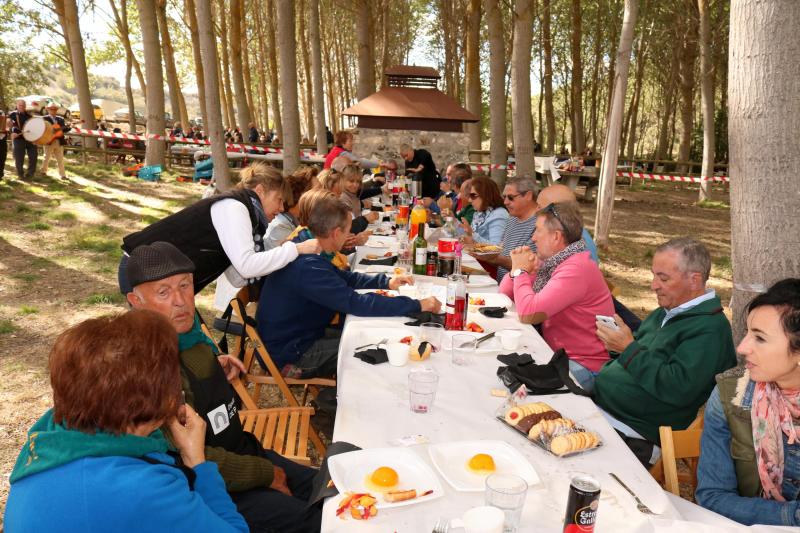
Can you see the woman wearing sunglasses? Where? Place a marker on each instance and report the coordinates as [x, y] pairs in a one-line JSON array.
[[749, 465], [490, 218]]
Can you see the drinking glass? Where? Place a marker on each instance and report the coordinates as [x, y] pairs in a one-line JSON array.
[[422, 384], [507, 492], [463, 348], [432, 333]]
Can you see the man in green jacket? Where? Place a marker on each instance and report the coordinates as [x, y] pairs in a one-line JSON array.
[[665, 372]]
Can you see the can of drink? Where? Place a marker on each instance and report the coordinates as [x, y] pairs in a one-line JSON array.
[[432, 263], [447, 245], [446, 265], [584, 496]]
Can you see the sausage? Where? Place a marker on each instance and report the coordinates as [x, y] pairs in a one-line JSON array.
[[400, 495]]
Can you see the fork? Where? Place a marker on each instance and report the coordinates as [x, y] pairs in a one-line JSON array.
[[639, 505], [384, 341], [441, 526]]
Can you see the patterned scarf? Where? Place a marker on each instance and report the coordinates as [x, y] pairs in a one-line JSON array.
[[479, 218], [773, 413], [551, 263]]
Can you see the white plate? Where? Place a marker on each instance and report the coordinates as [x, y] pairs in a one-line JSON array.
[[451, 458], [349, 471], [481, 281], [378, 334], [492, 299]]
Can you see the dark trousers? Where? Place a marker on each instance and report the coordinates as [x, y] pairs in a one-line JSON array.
[[22, 147], [321, 359], [3, 155], [269, 511], [642, 449]]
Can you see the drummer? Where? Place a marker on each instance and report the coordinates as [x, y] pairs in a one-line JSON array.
[[21, 146], [56, 146]]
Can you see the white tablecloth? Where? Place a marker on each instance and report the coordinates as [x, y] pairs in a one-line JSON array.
[[373, 411]]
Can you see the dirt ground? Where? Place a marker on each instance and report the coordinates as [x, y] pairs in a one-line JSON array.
[[59, 249]]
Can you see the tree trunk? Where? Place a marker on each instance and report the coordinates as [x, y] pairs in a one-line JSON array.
[[331, 92], [641, 61], [121, 21], [521, 88], [687, 85], [273, 72], [226, 108], [598, 58], [246, 72], [497, 89], [707, 97], [179, 114], [763, 121], [668, 93], [577, 80], [307, 86], [316, 76], [472, 72], [80, 74], [191, 16], [155, 81], [366, 46], [242, 109], [608, 171], [210, 59], [288, 76], [226, 66], [263, 74], [549, 111]]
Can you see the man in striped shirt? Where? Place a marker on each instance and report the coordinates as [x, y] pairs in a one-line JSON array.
[[519, 198]]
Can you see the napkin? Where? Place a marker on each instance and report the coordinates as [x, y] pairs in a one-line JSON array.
[[425, 316], [373, 356], [493, 312], [319, 485], [385, 261]]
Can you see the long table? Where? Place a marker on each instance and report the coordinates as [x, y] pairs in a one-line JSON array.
[[373, 412]]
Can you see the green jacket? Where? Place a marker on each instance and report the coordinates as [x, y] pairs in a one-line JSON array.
[[468, 212], [667, 374], [736, 395]]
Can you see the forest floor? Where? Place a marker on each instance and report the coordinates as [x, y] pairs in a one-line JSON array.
[[59, 250]]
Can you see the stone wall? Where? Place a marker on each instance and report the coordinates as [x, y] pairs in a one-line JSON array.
[[381, 144]]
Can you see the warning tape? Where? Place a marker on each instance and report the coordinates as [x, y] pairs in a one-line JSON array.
[[664, 177], [481, 168]]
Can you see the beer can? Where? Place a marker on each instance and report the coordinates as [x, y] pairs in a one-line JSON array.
[[432, 263], [584, 496]]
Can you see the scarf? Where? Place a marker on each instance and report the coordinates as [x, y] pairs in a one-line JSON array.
[[551, 263], [479, 218], [194, 337], [773, 413]]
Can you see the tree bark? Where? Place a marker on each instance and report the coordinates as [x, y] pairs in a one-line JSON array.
[[235, 34], [549, 111], [497, 89], [316, 75], [191, 16], [521, 88], [121, 20], [156, 148], [263, 71], [707, 99], [608, 171], [763, 121], [308, 102], [598, 58], [226, 65], [80, 74], [248, 81], [273, 72], [366, 46], [472, 72], [210, 60], [633, 115], [687, 84], [179, 113], [668, 93], [577, 79], [288, 77]]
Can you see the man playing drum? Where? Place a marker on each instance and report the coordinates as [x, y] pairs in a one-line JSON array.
[[18, 118], [56, 146]]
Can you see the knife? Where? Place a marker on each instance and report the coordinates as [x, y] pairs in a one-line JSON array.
[[479, 340]]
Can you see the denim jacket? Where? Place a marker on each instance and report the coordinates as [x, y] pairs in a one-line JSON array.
[[488, 226], [723, 453]]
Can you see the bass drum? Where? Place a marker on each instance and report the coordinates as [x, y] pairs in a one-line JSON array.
[[38, 131]]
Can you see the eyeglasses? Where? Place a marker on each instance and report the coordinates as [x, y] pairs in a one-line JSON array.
[[474, 195], [512, 197], [551, 208]]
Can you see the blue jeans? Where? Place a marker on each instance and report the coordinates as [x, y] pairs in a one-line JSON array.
[[582, 375]]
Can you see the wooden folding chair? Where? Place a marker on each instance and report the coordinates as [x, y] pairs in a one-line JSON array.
[[683, 445], [251, 348], [285, 430]]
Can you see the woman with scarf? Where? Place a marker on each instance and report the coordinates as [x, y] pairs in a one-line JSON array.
[[118, 451], [749, 465], [490, 217], [224, 233], [562, 289]]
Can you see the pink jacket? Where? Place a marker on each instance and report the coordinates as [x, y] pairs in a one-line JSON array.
[[575, 293]]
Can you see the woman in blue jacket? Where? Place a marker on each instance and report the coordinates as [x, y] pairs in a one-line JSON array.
[[98, 460], [490, 218]]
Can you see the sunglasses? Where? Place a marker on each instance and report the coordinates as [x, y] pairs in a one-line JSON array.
[[474, 195], [512, 197], [551, 208]]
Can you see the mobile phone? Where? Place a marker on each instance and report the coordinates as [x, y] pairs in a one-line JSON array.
[[608, 321]]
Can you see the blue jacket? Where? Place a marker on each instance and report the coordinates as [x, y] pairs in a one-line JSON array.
[[299, 301], [488, 226]]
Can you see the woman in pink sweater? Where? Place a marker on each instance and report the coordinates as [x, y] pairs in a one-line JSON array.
[[561, 288]]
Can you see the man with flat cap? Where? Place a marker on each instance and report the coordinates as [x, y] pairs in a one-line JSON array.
[[270, 491]]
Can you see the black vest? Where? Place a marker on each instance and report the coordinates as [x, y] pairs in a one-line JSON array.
[[192, 232], [216, 401]]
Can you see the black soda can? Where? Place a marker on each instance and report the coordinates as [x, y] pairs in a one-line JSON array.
[[432, 263], [584, 496]]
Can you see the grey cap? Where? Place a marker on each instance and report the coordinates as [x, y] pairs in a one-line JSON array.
[[152, 262]]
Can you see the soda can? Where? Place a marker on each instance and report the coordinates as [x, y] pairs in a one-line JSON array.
[[432, 263], [584, 496]]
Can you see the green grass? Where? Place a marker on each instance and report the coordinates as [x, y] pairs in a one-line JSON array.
[[95, 241], [27, 278], [64, 216], [6, 195], [23, 209], [6, 326], [28, 310], [724, 266], [38, 226], [105, 299], [149, 219], [711, 204]]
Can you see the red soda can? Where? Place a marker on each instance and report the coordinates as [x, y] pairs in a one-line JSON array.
[[584, 496]]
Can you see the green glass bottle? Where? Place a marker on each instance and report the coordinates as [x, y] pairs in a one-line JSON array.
[[420, 250]]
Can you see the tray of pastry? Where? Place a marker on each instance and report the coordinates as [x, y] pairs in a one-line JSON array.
[[548, 429]]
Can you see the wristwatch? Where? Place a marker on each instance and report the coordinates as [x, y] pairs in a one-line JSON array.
[[517, 272]]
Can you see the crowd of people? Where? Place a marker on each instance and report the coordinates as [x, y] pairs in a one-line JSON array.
[[289, 235]]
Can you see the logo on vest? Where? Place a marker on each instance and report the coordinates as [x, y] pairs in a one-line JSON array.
[[218, 418]]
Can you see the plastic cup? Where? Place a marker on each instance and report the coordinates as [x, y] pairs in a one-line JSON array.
[[507, 492], [422, 384], [509, 338], [432, 333], [398, 353], [463, 348]]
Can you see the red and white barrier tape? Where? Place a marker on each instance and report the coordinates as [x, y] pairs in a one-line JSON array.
[[482, 168], [664, 177]]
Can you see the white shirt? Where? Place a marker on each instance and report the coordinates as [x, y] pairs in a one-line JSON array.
[[694, 302]]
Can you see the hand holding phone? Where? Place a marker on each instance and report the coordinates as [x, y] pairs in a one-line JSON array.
[[607, 321]]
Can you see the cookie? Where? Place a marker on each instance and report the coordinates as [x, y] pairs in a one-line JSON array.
[[573, 442], [532, 420]]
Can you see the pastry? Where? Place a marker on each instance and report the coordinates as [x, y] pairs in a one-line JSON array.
[[573, 442], [548, 426], [529, 421], [515, 414]]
